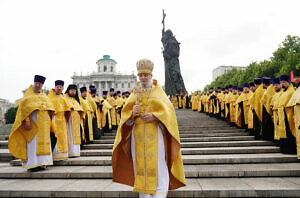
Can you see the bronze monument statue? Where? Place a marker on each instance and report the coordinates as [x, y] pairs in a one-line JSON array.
[[173, 79]]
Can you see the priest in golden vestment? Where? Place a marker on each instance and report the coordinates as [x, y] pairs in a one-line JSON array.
[[146, 152], [105, 110], [227, 103], [274, 106], [250, 112], [294, 103], [285, 115], [255, 102], [267, 122], [97, 114], [111, 100], [61, 115], [72, 98], [120, 103], [195, 101], [233, 105], [29, 138], [87, 134]]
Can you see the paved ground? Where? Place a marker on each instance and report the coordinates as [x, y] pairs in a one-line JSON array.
[[219, 161]]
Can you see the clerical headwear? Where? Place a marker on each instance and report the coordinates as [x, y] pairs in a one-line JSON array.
[[266, 80], [144, 66], [251, 84], [112, 89], [92, 86], [275, 81], [38, 78], [59, 82], [83, 89], [104, 92], [284, 78], [93, 90], [72, 86], [257, 81], [296, 72], [246, 85]]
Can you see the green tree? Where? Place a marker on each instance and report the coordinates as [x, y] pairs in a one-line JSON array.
[[10, 115], [284, 60]]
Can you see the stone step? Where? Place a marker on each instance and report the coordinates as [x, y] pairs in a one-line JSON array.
[[4, 137], [191, 171], [206, 128], [198, 131], [198, 144], [5, 156], [196, 135], [187, 159], [199, 139], [203, 187], [199, 151], [3, 144]]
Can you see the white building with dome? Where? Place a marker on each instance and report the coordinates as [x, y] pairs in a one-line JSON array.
[[106, 77]]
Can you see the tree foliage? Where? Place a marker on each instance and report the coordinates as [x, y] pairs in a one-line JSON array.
[[284, 60], [10, 115]]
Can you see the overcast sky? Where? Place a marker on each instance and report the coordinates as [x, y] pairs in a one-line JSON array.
[[57, 38]]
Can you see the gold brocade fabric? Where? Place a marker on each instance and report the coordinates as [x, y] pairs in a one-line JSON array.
[[87, 111], [244, 97], [221, 97], [233, 106], [174, 101], [106, 111], [19, 136], [160, 106], [294, 103], [199, 102], [255, 101], [227, 101], [113, 103], [274, 105], [267, 97], [195, 102], [282, 107], [60, 106], [76, 116], [98, 113], [120, 103], [91, 102]]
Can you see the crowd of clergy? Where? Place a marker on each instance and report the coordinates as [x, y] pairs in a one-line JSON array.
[[268, 109], [54, 127]]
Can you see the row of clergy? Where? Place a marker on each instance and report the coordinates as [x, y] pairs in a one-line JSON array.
[[53, 127], [267, 108], [183, 100]]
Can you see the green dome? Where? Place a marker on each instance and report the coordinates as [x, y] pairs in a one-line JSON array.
[[106, 58]]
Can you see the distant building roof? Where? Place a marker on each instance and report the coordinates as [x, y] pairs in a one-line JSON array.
[[107, 58]]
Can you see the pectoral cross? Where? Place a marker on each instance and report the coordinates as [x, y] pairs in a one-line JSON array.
[[137, 90]]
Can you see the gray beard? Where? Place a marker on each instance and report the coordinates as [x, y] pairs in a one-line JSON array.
[[148, 86]]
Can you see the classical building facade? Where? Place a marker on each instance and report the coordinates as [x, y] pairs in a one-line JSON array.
[[106, 77], [224, 69]]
